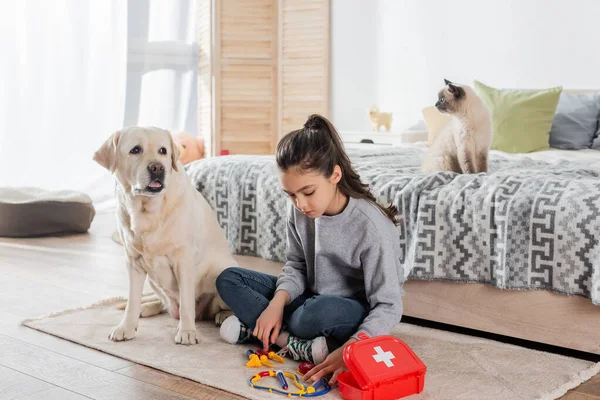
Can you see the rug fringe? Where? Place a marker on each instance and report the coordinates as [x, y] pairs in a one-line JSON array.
[[100, 303], [575, 381]]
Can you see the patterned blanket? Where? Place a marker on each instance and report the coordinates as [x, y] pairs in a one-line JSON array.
[[525, 225]]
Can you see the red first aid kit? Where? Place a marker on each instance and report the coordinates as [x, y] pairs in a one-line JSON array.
[[380, 368]]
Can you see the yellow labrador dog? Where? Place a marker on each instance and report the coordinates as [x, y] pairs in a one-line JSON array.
[[169, 232]]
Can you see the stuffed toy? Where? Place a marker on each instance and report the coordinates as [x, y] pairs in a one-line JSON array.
[[380, 119], [191, 148]]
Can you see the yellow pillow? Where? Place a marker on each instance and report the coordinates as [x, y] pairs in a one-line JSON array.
[[435, 122]]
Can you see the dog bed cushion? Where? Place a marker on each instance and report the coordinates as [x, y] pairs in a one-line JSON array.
[[28, 211]]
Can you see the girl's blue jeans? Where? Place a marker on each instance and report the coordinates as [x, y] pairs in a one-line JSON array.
[[248, 294]]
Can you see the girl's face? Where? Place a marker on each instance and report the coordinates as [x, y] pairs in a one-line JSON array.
[[312, 193]]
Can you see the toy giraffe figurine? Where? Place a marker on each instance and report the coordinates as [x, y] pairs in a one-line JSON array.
[[378, 119]]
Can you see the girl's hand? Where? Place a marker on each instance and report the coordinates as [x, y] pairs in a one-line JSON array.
[[334, 363], [268, 324]]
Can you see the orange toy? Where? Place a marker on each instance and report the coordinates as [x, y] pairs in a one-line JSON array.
[[381, 368], [191, 148]]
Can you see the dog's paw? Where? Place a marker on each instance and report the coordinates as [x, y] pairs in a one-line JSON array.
[[222, 316], [186, 337], [122, 332]]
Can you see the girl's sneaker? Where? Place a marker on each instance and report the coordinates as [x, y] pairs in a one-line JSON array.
[[314, 351], [234, 331]]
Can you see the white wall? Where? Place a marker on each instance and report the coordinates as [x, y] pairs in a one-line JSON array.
[[509, 43]]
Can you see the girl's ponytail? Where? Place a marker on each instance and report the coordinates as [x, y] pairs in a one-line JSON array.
[[318, 146]]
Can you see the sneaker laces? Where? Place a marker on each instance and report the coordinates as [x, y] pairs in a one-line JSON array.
[[299, 349]]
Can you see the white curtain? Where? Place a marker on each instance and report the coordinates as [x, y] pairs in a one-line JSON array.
[[74, 71], [162, 64]]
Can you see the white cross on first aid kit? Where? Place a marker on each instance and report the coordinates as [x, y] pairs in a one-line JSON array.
[[385, 357]]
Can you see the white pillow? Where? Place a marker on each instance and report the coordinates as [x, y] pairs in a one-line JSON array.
[[435, 122]]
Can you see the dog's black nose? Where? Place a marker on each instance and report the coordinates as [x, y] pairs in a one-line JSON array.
[[156, 168]]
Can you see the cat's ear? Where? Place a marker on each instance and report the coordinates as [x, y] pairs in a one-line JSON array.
[[452, 88], [457, 91]]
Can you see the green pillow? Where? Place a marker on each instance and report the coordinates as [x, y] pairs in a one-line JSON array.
[[521, 119]]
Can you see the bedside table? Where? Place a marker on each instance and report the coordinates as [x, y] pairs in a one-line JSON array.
[[384, 138]]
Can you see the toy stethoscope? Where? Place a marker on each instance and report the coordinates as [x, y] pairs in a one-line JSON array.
[[319, 388]]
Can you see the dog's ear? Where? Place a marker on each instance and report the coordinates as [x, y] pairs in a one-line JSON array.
[[174, 153], [447, 82], [106, 155]]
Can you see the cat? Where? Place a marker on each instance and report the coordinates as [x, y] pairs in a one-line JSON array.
[[463, 144]]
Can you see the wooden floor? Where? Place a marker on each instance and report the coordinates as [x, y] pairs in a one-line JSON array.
[[39, 276]]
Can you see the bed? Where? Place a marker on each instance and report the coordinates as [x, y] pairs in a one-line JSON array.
[[513, 252]]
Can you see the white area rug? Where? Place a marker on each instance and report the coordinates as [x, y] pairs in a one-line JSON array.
[[458, 366]]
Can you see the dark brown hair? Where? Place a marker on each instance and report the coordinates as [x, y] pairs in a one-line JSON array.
[[317, 146]]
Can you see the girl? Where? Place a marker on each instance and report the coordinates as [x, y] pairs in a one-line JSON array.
[[342, 275]]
